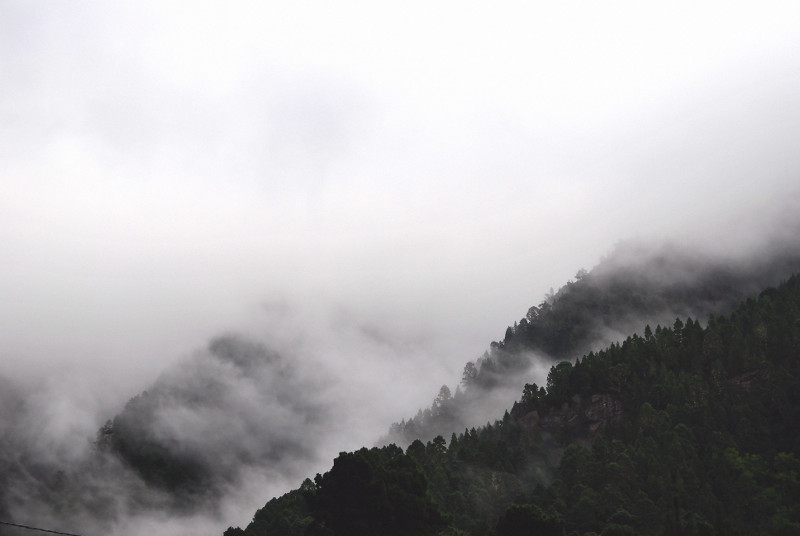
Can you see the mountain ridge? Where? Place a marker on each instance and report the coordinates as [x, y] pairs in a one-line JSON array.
[[682, 430], [635, 285]]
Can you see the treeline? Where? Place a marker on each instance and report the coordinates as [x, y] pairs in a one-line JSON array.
[[634, 286], [681, 430]]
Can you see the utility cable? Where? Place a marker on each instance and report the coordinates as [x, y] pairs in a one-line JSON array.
[[40, 530]]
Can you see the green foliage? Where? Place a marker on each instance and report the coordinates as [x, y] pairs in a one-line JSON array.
[[528, 519], [687, 430], [370, 491], [558, 383], [634, 286], [289, 515], [378, 491]]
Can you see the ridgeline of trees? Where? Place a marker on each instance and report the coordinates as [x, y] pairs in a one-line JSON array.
[[684, 429], [634, 286]]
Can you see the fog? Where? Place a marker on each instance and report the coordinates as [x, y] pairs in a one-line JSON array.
[[373, 192]]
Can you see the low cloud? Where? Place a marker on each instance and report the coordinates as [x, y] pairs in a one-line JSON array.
[[365, 192]]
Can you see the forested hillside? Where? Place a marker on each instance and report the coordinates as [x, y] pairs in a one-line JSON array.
[[176, 436], [634, 286], [682, 429]]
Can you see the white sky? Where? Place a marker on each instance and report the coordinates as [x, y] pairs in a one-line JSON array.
[[171, 170]]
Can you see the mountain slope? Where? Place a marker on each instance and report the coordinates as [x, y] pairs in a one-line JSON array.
[[683, 430], [239, 412], [234, 412], [635, 286], [214, 418]]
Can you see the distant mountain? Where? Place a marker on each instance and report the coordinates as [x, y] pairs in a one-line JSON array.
[[636, 285], [684, 429], [234, 412], [209, 420]]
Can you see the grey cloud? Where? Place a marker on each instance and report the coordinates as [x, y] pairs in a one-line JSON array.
[[369, 193]]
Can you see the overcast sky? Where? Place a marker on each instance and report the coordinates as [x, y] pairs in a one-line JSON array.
[[423, 171]]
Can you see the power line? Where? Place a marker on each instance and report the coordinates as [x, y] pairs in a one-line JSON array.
[[40, 530]]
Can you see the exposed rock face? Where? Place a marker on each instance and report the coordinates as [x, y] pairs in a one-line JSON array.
[[744, 381], [602, 410], [583, 418]]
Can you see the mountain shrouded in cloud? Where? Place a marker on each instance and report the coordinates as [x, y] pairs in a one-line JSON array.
[[635, 286], [240, 417], [366, 193], [206, 422], [235, 411], [684, 429]]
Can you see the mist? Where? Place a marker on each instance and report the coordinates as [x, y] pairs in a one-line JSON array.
[[371, 193]]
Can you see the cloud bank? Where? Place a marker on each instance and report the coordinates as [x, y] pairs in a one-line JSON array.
[[375, 188]]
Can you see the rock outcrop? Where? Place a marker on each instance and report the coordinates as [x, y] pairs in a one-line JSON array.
[[579, 417]]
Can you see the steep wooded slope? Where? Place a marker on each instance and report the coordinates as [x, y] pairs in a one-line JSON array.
[[682, 430], [635, 286]]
